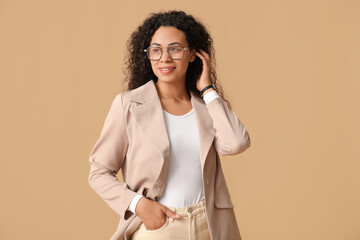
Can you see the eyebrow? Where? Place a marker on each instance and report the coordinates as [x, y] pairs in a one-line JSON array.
[[173, 43]]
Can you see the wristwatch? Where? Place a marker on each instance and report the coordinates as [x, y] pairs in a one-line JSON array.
[[206, 88]]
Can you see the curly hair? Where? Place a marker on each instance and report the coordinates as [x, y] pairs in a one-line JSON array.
[[138, 69]]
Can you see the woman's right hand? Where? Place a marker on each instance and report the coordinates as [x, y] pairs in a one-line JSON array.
[[153, 214]]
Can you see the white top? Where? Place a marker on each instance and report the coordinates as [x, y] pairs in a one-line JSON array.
[[184, 176], [183, 185]]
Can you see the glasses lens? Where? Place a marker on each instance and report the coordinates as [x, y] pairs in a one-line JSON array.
[[176, 52], [154, 53]]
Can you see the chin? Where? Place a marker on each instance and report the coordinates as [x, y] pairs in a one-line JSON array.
[[167, 79]]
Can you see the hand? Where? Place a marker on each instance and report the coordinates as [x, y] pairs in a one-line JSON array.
[[205, 77], [153, 214]]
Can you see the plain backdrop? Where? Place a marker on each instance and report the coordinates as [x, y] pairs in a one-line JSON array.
[[291, 70]]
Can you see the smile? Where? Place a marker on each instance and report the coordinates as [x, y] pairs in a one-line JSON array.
[[166, 70]]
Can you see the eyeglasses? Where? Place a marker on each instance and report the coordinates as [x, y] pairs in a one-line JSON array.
[[175, 52]]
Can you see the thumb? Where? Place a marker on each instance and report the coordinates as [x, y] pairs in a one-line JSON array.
[[170, 213]]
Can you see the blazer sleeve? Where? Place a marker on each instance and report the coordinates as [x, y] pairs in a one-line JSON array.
[[231, 136], [106, 159]]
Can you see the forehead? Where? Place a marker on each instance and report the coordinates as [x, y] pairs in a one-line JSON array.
[[167, 35]]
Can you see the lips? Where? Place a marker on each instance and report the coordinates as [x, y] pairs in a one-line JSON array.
[[166, 69]]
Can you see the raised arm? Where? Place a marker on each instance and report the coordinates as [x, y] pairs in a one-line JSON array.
[[231, 136]]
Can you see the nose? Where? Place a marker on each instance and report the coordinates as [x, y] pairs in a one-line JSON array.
[[165, 56]]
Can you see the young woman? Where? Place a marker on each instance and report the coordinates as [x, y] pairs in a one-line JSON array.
[[165, 133]]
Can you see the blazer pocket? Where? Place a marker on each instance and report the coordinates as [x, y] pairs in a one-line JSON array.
[[223, 200]]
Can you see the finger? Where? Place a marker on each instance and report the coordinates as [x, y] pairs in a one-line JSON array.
[[204, 58], [205, 54], [200, 55], [170, 213]]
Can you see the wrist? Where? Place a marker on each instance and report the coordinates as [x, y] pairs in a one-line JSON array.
[[134, 203], [139, 206], [207, 89], [210, 95]]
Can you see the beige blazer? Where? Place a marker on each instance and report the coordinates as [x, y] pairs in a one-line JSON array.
[[134, 139]]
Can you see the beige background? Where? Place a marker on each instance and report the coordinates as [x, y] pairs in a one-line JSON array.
[[291, 70]]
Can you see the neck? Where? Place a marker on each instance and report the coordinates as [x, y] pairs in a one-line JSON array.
[[173, 90]]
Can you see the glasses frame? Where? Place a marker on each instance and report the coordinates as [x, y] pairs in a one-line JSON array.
[[162, 52]]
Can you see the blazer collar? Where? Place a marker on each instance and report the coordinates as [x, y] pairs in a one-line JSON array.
[[149, 116]]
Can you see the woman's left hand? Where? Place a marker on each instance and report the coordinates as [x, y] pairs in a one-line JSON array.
[[205, 77]]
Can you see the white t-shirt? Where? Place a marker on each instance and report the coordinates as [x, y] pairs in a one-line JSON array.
[[184, 180], [183, 185]]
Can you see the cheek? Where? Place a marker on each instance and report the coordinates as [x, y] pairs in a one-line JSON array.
[[153, 67], [184, 66]]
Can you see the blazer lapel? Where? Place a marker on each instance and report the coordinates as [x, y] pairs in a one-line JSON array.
[[149, 115], [205, 127]]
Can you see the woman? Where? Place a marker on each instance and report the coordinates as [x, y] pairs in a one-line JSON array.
[[165, 133]]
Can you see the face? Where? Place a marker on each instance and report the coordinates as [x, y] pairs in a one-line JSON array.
[[167, 37]]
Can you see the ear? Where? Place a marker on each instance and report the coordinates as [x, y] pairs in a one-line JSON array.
[[192, 55]]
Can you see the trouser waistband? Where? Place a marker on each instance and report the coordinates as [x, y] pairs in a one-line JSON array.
[[190, 210]]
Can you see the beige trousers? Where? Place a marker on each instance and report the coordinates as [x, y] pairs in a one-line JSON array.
[[191, 226]]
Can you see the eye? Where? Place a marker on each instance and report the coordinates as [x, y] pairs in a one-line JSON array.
[[155, 50], [175, 49]]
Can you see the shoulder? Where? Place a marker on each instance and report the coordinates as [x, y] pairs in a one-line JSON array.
[[141, 94]]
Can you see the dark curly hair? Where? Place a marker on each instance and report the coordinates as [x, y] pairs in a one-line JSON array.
[[138, 69]]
